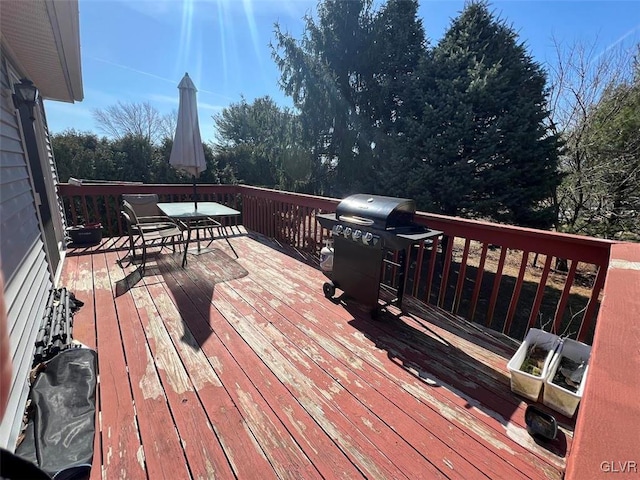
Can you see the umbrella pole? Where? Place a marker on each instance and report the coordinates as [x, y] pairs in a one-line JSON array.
[[195, 194], [195, 200]]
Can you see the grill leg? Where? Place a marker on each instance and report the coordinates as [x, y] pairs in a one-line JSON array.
[[402, 260]]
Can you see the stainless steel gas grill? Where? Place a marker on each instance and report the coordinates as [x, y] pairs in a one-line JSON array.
[[364, 229]]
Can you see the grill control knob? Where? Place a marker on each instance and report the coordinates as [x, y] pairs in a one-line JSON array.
[[337, 229], [347, 232], [357, 234], [367, 237]]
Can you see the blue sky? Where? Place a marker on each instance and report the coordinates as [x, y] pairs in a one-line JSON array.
[[139, 50]]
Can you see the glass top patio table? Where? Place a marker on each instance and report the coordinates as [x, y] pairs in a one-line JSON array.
[[202, 218], [187, 210]]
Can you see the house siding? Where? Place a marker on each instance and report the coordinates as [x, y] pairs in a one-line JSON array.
[[59, 220], [28, 276]]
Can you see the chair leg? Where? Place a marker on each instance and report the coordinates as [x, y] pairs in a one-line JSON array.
[[132, 248], [222, 231], [186, 248], [144, 258]]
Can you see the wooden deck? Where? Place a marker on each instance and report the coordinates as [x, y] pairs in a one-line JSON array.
[[242, 368]]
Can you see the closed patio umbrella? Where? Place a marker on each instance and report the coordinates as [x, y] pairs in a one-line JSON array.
[[187, 152]]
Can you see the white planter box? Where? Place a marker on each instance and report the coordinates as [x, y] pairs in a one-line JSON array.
[[526, 384], [557, 397]]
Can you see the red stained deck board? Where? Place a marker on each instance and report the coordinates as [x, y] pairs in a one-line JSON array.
[[370, 387], [379, 393], [84, 325], [228, 346], [304, 381], [297, 377], [161, 451], [79, 280], [245, 288], [241, 447], [245, 385], [290, 292], [155, 373], [299, 283], [120, 440]]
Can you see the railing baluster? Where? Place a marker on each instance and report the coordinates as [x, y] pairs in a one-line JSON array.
[[444, 282], [288, 224], [461, 277], [496, 286], [394, 268], [318, 245], [299, 226], [516, 293], [303, 218], [589, 314], [107, 205], [272, 217], [74, 214], [418, 270], [118, 217], [254, 213], [557, 319], [261, 215], [296, 236], [309, 240], [85, 210], [432, 268], [540, 292], [479, 275]]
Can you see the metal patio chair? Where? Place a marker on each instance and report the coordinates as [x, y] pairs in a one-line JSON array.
[[150, 233]]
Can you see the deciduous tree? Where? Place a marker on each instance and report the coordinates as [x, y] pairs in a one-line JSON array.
[[592, 98], [264, 145], [140, 119]]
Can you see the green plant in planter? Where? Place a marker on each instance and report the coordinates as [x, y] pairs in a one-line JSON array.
[[534, 360]]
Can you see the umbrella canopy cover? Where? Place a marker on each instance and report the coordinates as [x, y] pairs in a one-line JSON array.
[[187, 152]]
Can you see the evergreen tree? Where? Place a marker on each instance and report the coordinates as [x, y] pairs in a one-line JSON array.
[[393, 99], [82, 155], [487, 151], [323, 73]]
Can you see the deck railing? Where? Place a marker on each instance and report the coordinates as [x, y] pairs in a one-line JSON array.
[[502, 276]]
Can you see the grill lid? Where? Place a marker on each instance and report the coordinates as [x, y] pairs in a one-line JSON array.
[[376, 211]]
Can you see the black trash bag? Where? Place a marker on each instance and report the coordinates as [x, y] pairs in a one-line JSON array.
[[61, 429]]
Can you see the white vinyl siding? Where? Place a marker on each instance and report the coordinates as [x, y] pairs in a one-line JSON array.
[[24, 263], [59, 221]]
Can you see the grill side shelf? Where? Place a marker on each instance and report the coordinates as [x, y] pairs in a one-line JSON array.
[[417, 237]]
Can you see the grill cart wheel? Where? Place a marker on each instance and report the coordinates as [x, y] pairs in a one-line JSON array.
[[329, 289]]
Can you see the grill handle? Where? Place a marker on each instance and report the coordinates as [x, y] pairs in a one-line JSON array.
[[356, 220]]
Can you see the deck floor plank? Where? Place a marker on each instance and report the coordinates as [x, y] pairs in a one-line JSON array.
[[497, 430], [257, 375], [228, 421], [78, 277], [378, 392], [163, 393], [121, 446], [363, 383], [317, 391], [160, 451], [331, 462]]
